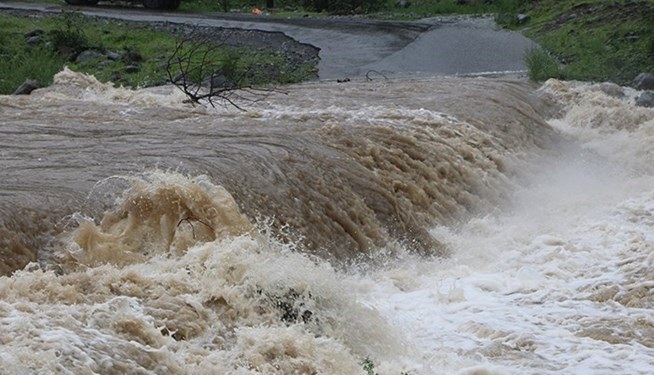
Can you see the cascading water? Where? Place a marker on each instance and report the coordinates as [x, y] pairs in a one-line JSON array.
[[426, 226]]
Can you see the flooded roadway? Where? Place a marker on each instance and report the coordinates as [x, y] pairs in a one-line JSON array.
[[351, 47]]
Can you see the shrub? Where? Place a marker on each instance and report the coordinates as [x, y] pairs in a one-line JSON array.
[[68, 37], [541, 64]]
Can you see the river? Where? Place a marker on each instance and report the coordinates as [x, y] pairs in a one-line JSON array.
[[423, 225]]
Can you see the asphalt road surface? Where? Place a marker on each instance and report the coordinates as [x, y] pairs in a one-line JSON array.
[[352, 47]]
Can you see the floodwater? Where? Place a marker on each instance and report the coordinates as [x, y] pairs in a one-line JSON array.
[[352, 47], [425, 225]]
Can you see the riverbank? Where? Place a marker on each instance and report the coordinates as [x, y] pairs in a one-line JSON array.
[[589, 40], [351, 47], [135, 53]]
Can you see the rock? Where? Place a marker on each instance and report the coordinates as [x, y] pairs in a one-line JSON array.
[[644, 81], [131, 69], [632, 36], [218, 81], [35, 32], [132, 57], [113, 56], [88, 55], [611, 89], [27, 87], [34, 40], [179, 79], [402, 4], [103, 64], [267, 71], [521, 18], [646, 99]]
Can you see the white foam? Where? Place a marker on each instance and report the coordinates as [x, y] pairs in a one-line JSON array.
[[522, 293]]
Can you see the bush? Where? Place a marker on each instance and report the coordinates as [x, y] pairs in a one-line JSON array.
[[68, 37], [541, 65]]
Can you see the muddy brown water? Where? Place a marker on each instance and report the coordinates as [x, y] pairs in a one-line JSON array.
[[347, 167], [422, 225]]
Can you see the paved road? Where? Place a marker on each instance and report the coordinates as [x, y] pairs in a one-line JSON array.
[[352, 47]]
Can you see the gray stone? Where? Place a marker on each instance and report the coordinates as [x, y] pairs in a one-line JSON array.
[[35, 32], [103, 64], [88, 55], [34, 40], [218, 81], [113, 56], [644, 81], [27, 87], [131, 69], [402, 4], [132, 57], [646, 99], [521, 18], [611, 89], [632, 36]]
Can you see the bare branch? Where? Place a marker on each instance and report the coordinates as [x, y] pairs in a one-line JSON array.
[[207, 70]]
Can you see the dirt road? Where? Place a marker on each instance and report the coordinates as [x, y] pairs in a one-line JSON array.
[[351, 47]]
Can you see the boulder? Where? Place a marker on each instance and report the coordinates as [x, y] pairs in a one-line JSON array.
[[35, 32], [632, 36], [218, 81], [521, 18], [27, 87], [103, 64], [132, 57], [131, 69], [113, 56], [34, 40], [644, 81], [646, 99], [88, 55], [402, 4], [611, 89]]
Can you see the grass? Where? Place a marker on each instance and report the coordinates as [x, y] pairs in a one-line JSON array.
[[591, 40], [66, 35], [541, 64], [428, 8], [387, 8], [37, 64]]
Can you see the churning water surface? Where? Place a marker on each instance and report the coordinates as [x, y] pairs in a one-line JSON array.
[[428, 226]]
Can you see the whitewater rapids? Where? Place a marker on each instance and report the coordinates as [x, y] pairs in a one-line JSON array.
[[427, 226]]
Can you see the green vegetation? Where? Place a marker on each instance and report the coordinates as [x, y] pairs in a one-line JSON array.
[[17, 61], [541, 65], [141, 53], [15, 67], [369, 367], [589, 40], [380, 8]]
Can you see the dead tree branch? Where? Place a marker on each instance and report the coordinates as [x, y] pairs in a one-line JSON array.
[[208, 70]]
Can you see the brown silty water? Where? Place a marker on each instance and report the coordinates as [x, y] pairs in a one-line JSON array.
[[343, 169], [149, 236], [172, 238]]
